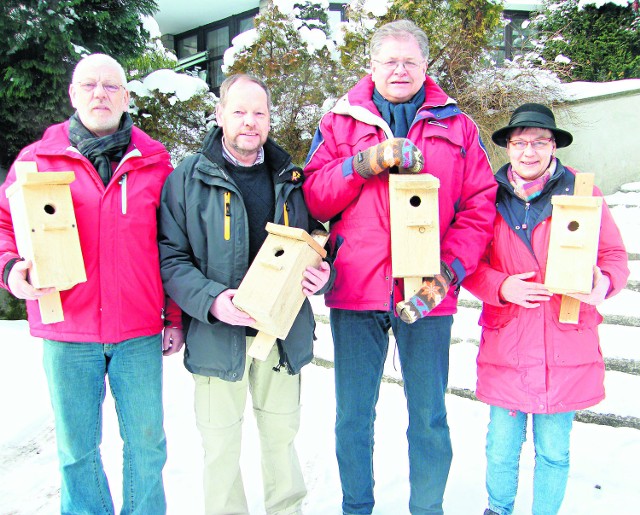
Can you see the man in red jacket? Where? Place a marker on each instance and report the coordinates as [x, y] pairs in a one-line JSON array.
[[397, 117], [113, 323]]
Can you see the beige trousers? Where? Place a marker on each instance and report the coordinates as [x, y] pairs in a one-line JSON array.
[[220, 406]]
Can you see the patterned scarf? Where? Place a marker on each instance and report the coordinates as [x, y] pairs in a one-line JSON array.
[[101, 151], [399, 116], [528, 190]]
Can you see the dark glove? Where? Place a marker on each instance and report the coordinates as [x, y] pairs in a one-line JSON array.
[[433, 291], [399, 152]]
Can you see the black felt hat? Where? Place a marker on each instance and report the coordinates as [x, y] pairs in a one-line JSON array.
[[536, 116]]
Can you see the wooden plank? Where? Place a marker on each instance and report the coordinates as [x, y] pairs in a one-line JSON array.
[[261, 346], [51, 308], [569, 310], [573, 202], [412, 286], [419, 181], [584, 184]]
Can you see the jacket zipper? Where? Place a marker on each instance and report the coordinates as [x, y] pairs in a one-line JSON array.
[[525, 224], [123, 190], [286, 214], [437, 123], [227, 215]]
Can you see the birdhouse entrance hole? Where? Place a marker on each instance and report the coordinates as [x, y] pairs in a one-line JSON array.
[[49, 209], [573, 226], [415, 201]]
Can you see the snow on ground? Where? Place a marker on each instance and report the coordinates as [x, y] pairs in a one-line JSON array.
[[603, 479], [604, 473]]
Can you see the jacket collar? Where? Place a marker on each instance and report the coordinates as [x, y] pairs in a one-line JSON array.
[[56, 140], [144, 150], [275, 157], [358, 103], [560, 179]]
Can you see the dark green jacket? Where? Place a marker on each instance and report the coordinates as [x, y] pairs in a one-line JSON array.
[[198, 260]]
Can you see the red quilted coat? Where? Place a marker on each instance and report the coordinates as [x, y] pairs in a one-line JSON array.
[[359, 208], [528, 360], [123, 296]]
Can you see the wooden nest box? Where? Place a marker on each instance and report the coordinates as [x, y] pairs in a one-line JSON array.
[[46, 233], [573, 244], [415, 228], [271, 291]]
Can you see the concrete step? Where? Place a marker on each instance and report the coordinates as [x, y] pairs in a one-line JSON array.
[[624, 198], [628, 221], [622, 309], [619, 345], [634, 278], [620, 408]]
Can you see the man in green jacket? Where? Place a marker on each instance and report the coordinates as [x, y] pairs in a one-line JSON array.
[[213, 213]]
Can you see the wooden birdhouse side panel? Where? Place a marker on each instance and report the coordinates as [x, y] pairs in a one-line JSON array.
[[573, 243], [415, 227], [19, 218], [271, 291]]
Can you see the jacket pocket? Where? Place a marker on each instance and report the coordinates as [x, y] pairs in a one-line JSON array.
[[500, 339], [575, 344]]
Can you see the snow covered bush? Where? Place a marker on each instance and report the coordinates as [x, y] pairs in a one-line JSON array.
[[290, 49], [590, 40], [174, 108]]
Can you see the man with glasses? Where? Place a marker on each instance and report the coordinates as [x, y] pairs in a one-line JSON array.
[[113, 323], [396, 118]]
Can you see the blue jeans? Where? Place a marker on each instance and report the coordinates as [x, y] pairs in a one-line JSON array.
[[361, 341], [507, 432], [76, 377]]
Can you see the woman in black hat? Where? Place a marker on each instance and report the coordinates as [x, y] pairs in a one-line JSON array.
[[529, 362]]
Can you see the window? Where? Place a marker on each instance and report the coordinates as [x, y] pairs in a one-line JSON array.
[[337, 13], [215, 72], [187, 46], [218, 40], [245, 24], [514, 39], [201, 51]]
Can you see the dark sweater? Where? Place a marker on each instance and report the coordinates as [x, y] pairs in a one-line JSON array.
[[256, 185]]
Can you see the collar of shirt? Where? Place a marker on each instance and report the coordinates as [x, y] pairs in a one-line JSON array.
[[229, 157]]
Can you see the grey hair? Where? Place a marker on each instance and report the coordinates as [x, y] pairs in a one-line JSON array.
[[399, 29], [100, 59], [230, 81]]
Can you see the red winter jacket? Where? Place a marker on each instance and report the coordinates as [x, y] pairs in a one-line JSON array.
[[528, 360], [359, 208], [123, 296]]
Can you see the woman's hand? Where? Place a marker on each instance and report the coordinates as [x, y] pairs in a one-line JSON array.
[[601, 285], [517, 290]]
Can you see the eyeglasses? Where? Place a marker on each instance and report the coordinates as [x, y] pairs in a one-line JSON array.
[[536, 144], [410, 66], [90, 87]]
